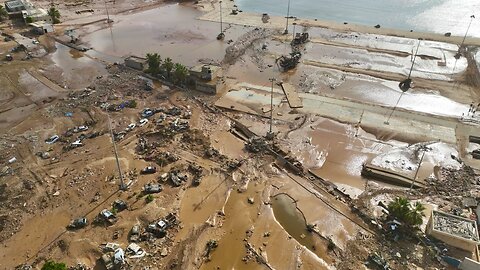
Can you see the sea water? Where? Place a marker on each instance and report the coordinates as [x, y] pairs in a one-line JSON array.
[[438, 16]]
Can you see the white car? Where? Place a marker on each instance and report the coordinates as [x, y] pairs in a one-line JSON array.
[[52, 139], [135, 251], [80, 129], [131, 127], [107, 247], [143, 122]]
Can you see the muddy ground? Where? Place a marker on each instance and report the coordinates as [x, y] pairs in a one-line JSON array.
[[252, 204]]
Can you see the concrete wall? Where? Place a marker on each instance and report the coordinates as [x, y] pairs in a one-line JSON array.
[[451, 240], [135, 63], [469, 264], [206, 87]]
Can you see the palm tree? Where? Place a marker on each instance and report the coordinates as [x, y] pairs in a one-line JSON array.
[[3, 13], [416, 214], [54, 14], [168, 66], [153, 60], [402, 209], [180, 73], [399, 208]]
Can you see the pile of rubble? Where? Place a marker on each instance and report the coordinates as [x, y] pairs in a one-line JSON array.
[[452, 182]]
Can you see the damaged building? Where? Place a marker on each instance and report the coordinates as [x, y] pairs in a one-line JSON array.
[[455, 231], [205, 78]]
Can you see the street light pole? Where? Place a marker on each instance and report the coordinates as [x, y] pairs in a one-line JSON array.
[[294, 24], [122, 184], [288, 15], [221, 19], [270, 132], [108, 16], [464, 37], [424, 148], [404, 85]]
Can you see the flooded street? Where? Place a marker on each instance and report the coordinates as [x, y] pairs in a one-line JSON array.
[[171, 30], [72, 68]]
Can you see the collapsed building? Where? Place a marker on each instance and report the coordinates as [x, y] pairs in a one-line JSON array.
[[456, 231]]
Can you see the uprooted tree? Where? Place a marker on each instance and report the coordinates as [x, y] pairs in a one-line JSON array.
[[404, 211]]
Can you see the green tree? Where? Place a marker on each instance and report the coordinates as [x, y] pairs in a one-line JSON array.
[[51, 265], [3, 13], [54, 14], [402, 209], [416, 214], [29, 19], [180, 73], [153, 61], [168, 66], [149, 198]]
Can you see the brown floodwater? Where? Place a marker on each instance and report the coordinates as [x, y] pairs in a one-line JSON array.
[[292, 220], [78, 70], [172, 31]]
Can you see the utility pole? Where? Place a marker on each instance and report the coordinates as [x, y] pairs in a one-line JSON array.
[[270, 132], [424, 148], [288, 15], [457, 56], [122, 184], [404, 85], [294, 24], [108, 16], [221, 18], [221, 36]]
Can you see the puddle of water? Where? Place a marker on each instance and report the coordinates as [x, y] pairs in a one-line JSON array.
[[292, 220], [78, 70], [37, 91], [171, 30]]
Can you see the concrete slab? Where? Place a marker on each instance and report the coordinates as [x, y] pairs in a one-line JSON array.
[[292, 96]]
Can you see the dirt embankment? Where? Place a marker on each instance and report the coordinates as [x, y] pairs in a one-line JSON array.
[[238, 48]]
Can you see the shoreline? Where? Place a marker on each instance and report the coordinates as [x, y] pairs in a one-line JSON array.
[[212, 13]]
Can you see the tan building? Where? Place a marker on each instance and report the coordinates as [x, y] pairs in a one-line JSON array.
[[455, 231], [205, 78], [135, 62]]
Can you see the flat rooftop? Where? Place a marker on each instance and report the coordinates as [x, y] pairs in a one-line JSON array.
[[137, 58], [455, 225], [13, 4], [198, 68]]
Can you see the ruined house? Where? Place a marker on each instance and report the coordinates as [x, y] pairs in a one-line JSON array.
[[135, 62], [204, 78], [455, 231]]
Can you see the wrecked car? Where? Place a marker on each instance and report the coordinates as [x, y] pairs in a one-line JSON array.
[[135, 251], [120, 205], [52, 139], [77, 223], [149, 170], [134, 235], [152, 188]]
